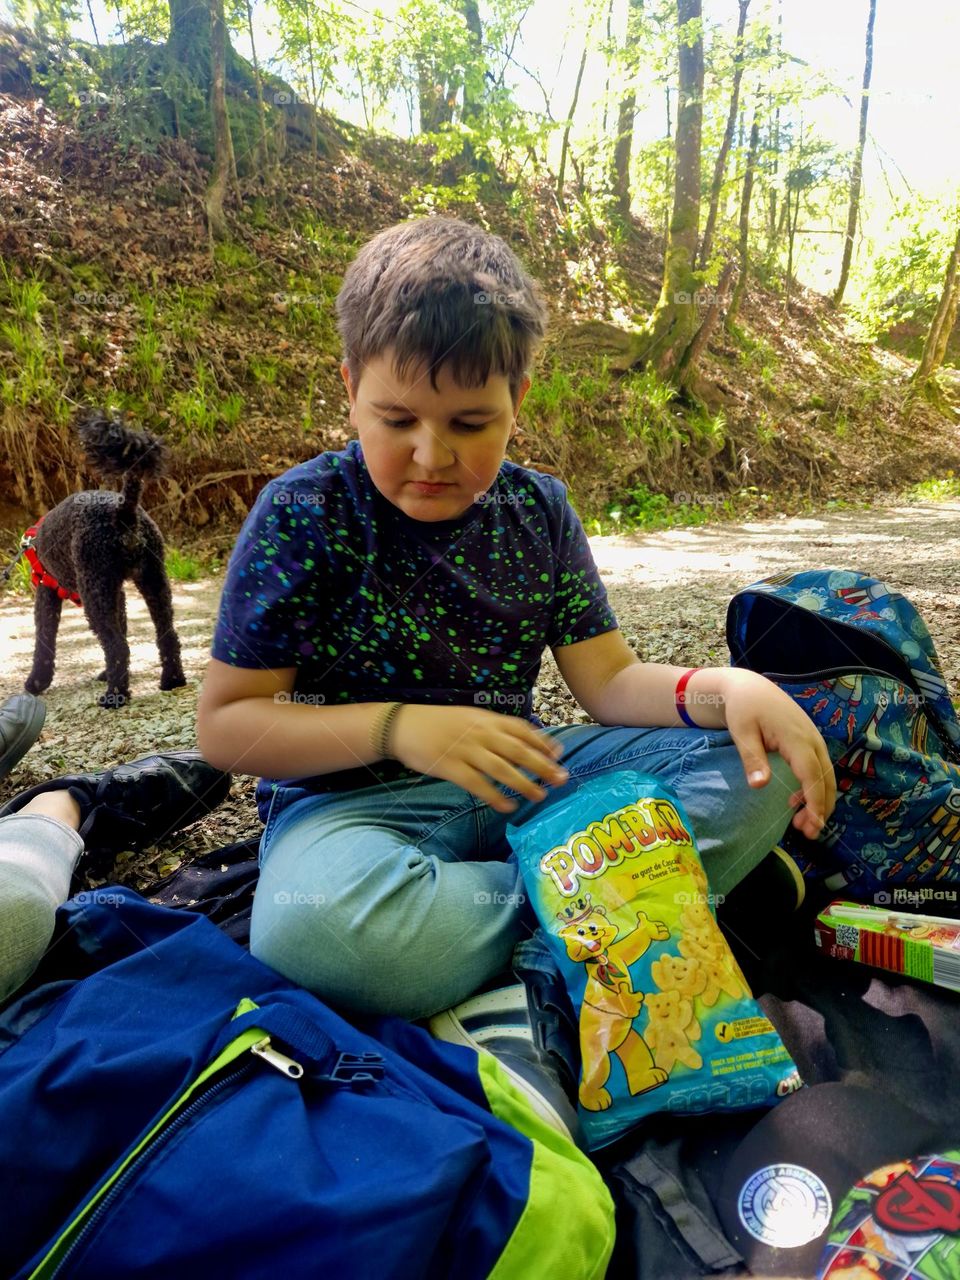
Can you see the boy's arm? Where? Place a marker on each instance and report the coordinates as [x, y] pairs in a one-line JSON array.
[[247, 723], [616, 688], [611, 684]]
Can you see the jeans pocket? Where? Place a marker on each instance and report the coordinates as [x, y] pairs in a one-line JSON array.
[[280, 801]]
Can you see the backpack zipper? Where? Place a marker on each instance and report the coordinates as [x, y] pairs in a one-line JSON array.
[[230, 1072]]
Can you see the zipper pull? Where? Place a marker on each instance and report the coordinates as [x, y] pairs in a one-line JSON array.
[[286, 1066]]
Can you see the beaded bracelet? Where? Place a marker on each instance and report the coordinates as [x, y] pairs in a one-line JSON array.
[[680, 697], [380, 733]]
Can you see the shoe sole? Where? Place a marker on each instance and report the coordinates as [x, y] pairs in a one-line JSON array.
[[25, 739], [798, 880], [448, 1027]]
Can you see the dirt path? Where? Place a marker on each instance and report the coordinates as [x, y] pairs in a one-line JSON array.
[[669, 590]]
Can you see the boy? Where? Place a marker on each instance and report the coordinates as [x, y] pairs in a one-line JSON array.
[[381, 628]]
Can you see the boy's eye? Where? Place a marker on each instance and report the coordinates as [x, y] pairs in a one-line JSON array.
[[405, 422]]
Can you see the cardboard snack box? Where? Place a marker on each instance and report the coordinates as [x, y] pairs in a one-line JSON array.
[[923, 947]]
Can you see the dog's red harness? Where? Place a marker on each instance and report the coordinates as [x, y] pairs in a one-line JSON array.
[[38, 574]]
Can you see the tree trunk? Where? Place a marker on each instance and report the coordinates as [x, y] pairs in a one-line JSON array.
[[565, 146], [792, 219], [223, 147], [606, 86], [674, 321], [856, 173], [264, 145], [935, 346], [686, 371], [775, 225], [668, 177], [721, 165], [744, 248], [471, 16], [620, 172], [435, 106]]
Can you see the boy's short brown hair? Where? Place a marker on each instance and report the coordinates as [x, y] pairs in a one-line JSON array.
[[441, 291]]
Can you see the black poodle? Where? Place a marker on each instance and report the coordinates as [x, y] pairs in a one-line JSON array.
[[90, 544]]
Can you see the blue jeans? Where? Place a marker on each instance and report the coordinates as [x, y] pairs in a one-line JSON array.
[[405, 898]]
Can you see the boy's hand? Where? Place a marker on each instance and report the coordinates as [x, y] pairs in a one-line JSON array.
[[470, 745], [760, 718]]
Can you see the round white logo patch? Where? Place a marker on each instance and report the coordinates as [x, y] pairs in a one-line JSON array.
[[785, 1205]]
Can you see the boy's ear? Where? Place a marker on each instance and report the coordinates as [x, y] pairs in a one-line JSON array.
[[345, 375], [521, 393]]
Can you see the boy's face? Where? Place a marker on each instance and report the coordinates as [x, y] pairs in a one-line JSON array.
[[410, 434]]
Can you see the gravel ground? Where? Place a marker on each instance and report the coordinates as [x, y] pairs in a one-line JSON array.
[[669, 590]]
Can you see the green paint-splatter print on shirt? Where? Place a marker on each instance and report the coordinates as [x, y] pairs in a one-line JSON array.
[[370, 605]]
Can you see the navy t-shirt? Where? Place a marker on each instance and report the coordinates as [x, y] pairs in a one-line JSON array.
[[370, 605]]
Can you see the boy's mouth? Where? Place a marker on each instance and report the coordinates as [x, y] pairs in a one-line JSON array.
[[425, 487]]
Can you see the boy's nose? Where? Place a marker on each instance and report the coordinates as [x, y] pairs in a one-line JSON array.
[[431, 453]]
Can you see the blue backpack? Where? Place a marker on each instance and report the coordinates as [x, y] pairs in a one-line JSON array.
[[857, 657], [169, 1106]]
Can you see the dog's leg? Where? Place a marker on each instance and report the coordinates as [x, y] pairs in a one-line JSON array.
[[123, 627], [103, 605], [151, 581], [47, 608]]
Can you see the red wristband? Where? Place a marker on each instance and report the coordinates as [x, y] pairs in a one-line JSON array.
[[681, 697]]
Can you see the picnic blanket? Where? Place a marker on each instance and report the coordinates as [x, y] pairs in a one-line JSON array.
[[841, 1022]]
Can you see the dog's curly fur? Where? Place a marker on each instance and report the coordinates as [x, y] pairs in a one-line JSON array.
[[94, 541]]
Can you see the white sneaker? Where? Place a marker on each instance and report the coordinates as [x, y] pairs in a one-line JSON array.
[[498, 1022]]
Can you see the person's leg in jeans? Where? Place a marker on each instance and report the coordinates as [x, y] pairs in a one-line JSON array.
[[39, 848], [405, 898], [385, 899]]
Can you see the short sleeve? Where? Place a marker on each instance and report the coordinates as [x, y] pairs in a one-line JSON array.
[[580, 605], [270, 594]]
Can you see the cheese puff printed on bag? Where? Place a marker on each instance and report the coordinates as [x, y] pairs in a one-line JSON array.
[[667, 1021]]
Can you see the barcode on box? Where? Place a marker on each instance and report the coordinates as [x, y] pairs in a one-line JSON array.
[[946, 969], [848, 935]]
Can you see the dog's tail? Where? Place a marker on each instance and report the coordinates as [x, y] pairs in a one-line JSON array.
[[113, 449]]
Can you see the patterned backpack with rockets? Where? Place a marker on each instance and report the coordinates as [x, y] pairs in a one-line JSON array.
[[858, 658]]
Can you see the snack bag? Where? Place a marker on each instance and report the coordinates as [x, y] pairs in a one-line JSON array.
[[667, 1022]]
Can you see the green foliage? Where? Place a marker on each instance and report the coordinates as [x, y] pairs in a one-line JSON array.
[[182, 566], [646, 414], [640, 508], [336, 245], [906, 280], [31, 359], [263, 369], [20, 582], [935, 490], [233, 255], [202, 410]]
